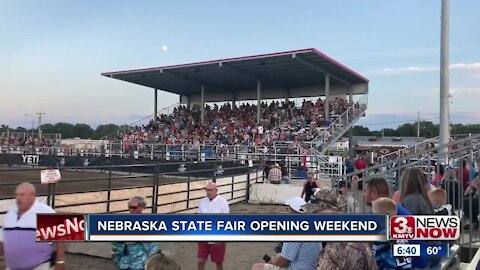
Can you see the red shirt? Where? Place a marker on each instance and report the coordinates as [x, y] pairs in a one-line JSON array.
[[360, 164], [465, 176]]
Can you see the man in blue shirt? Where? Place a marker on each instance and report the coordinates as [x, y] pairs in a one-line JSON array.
[[294, 255]]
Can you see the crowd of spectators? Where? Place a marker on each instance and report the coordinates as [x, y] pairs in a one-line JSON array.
[[237, 125], [27, 140]]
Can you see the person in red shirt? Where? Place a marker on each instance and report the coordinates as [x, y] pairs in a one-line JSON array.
[[463, 174], [360, 163]]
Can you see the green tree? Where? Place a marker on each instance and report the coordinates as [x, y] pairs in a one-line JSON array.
[[103, 130], [361, 131], [83, 131]]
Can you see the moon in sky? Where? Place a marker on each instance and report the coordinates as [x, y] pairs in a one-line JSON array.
[[164, 48]]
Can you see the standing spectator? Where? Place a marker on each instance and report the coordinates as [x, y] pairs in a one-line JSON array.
[[275, 174], [294, 255], [439, 175], [350, 164], [133, 255], [360, 163], [310, 185], [285, 177], [213, 203], [18, 236], [463, 174]]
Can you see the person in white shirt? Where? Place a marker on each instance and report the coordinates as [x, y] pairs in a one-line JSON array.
[[213, 203], [18, 236]]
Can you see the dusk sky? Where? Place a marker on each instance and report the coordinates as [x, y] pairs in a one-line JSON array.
[[52, 52]]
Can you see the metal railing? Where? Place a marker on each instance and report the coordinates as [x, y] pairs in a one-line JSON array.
[[400, 152], [340, 125]]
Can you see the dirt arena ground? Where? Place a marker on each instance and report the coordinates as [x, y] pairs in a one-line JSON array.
[[239, 256], [70, 180]]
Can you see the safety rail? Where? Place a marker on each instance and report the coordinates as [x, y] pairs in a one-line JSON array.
[[400, 152], [340, 125], [417, 157]]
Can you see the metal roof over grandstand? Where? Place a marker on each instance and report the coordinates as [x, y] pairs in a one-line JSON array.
[[298, 73]]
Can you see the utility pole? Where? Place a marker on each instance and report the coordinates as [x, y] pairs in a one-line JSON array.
[[444, 82], [40, 124], [418, 125]]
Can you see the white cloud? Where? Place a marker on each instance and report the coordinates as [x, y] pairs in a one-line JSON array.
[[462, 66], [469, 67], [403, 70]]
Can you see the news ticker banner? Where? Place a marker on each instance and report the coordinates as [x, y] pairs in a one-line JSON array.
[[211, 227], [234, 227], [421, 250]]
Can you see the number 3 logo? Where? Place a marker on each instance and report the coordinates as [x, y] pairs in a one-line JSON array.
[[401, 225]]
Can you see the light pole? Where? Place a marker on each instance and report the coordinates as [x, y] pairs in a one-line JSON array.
[[40, 124], [444, 81], [33, 122]]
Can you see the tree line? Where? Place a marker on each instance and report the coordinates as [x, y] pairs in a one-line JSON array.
[[84, 131], [68, 130], [427, 130]]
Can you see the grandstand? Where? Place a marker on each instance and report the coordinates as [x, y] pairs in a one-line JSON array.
[[294, 74]]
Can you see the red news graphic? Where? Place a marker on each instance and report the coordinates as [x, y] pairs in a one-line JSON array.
[[424, 228], [60, 227]]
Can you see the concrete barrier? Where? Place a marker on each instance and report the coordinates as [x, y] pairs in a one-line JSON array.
[[265, 193]]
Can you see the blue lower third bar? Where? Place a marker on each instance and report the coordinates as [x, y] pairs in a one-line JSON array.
[[434, 250]]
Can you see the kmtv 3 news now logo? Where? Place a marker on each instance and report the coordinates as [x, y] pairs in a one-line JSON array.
[[424, 227], [60, 227]]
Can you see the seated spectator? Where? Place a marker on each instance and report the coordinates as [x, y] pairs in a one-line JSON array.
[[427, 186], [275, 174], [160, 261], [378, 188], [294, 255], [339, 255], [285, 177], [345, 188], [438, 198], [451, 184], [383, 250], [413, 197]]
